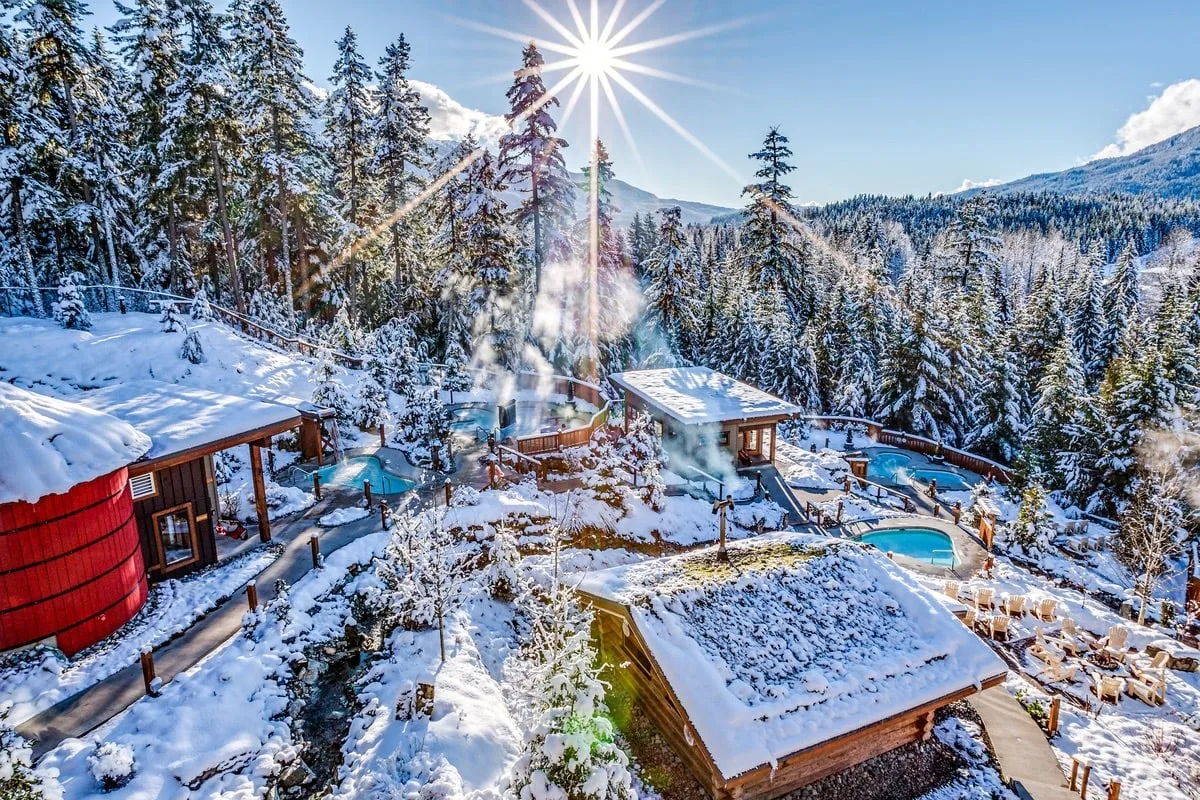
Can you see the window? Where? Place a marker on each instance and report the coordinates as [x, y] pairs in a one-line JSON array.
[[176, 536], [142, 486], [723, 439]]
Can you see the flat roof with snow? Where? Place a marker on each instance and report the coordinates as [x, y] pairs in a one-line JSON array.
[[700, 396], [800, 639], [51, 445], [183, 420]]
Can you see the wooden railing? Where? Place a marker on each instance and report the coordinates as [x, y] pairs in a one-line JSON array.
[[910, 441]]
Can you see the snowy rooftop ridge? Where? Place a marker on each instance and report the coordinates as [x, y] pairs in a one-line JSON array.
[[51, 445], [179, 417], [700, 396], [800, 640]]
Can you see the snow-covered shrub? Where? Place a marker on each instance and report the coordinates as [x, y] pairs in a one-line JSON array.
[[69, 309], [606, 478], [654, 488], [342, 334], [502, 575], [111, 764], [465, 496], [201, 309], [170, 321], [642, 447], [425, 422], [371, 410], [1032, 533], [281, 604], [329, 391], [225, 463], [191, 349], [19, 779]]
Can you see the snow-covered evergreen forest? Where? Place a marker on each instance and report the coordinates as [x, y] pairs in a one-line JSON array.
[[186, 149]]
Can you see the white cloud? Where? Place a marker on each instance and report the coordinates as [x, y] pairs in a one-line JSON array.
[[970, 184], [1174, 111], [450, 119]]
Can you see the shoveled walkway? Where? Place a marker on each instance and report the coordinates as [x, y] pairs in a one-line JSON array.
[[1026, 760], [87, 710]]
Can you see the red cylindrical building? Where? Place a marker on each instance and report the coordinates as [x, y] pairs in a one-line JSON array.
[[71, 565]]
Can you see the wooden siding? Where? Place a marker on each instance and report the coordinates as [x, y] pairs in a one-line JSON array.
[[189, 482]]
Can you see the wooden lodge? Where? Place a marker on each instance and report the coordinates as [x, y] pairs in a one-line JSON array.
[[173, 486], [700, 412], [758, 701]]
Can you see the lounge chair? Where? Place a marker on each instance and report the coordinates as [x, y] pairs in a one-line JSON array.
[[1151, 691], [1061, 673], [983, 598], [1014, 606], [1144, 668], [1045, 609], [1115, 639], [969, 618], [951, 589], [1106, 686], [998, 624]]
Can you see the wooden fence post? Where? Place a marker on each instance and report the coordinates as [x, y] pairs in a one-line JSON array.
[[937, 511], [839, 513], [1074, 771], [449, 491], [252, 595], [317, 486], [367, 492], [315, 546], [148, 677], [1114, 789], [1055, 704], [1083, 781]]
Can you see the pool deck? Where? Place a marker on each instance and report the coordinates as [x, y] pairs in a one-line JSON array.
[[971, 555]]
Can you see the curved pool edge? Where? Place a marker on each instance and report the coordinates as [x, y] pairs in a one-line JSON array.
[[969, 550]]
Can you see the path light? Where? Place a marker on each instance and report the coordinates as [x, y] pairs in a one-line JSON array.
[[720, 507]]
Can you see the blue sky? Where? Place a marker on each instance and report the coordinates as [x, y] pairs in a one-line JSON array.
[[876, 96]]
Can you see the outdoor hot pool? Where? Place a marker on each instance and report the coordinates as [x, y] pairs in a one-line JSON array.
[[947, 481], [532, 417], [921, 544], [888, 468], [351, 472]]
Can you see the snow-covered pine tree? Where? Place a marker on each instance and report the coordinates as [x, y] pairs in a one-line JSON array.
[[913, 389], [1151, 535], [371, 410], [607, 475], [1032, 534], [456, 378], [355, 186], [400, 129], [489, 242], [70, 310], [669, 307], [608, 314], [1120, 305], [170, 321], [342, 334], [972, 240], [570, 749], [192, 349], [19, 778], [201, 309], [1087, 315], [1001, 425], [503, 575], [1056, 408], [1173, 323], [531, 158], [424, 423], [453, 281], [328, 389], [769, 252]]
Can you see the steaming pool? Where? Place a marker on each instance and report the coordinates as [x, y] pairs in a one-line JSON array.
[[532, 417], [351, 472], [921, 544], [892, 469]]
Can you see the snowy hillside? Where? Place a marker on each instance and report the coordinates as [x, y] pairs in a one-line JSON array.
[[1168, 169]]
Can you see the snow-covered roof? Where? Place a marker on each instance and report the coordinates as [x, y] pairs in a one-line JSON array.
[[700, 396], [801, 639], [51, 445], [179, 418]]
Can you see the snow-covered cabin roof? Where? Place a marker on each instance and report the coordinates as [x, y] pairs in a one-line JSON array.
[[182, 418], [799, 640], [51, 445], [700, 396]]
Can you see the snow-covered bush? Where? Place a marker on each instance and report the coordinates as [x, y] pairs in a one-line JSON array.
[[271, 311], [170, 321], [191, 349], [425, 422], [201, 310], [465, 496], [111, 764], [1032, 533], [456, 378], [19, 779], [329, 391], [69, 309], [371, 411], [606, 478], [342, 334], [503, 574], [642, 447]]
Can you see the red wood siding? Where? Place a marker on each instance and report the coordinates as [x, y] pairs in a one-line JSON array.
[[70, 565]]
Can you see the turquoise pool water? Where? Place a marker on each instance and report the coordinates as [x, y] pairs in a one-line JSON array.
[[885, 468], [923, 544], [351, 472], [947, 481], [531, 418]]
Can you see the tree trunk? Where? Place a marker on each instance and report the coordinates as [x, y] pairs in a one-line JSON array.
[[85, 187], [172, 247], [23, 252], [538, 250], [284, 245], [235, 273], [303, 267]]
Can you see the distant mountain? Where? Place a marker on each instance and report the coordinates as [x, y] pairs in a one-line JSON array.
[[1169, 169], [631, 200]]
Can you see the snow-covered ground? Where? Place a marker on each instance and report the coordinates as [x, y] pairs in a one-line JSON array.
[[35, 680]]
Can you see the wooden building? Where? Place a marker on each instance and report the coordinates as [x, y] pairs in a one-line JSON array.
[[800, 657], [702, 414], [173, 485]]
